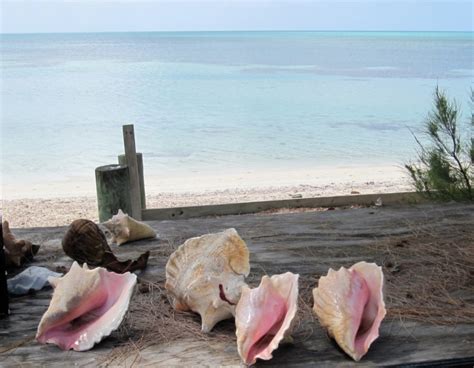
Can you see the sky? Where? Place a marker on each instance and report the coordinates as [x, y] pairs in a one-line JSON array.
[[38, 16]]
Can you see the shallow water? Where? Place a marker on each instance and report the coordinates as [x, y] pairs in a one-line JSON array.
[[219, 101]]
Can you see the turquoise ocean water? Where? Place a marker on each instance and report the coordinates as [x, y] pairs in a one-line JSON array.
[[211, 101]]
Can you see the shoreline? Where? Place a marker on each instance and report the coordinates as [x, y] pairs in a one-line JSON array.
[[184, 181], [50, 210]]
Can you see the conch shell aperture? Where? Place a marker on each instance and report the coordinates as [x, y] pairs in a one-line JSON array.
[[349, 303], [264, 316], [205, 275], [126, 229], [87, 305]]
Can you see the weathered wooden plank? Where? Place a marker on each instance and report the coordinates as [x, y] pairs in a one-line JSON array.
[[400, 343], [254, 207], [131, 156], [122, 160], [307, 243]]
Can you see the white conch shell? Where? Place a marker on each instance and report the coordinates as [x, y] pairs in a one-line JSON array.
[[205, 275], [264, 315], [349, 303], [87, 305], [126, 229]]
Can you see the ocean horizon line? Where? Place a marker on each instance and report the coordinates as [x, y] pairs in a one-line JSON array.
[[398, 32]]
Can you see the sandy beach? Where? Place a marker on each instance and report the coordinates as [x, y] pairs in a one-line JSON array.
[[60, 203]]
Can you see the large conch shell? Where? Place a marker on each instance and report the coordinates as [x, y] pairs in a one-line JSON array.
[[349, 303], [264, 316], [205, 275], [126, 229], [87, 305], [17, 251], [84, 242]]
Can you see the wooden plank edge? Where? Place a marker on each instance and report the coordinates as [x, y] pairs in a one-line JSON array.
[[467, 362], [158, 214]]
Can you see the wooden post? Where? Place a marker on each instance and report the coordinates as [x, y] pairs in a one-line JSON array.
[[4, 308], [131, 156], [113, 190], [122, 160]]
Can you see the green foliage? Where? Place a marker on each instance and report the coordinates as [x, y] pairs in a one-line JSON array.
[[472, 127], [445, 168]]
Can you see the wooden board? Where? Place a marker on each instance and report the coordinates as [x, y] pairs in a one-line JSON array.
[[122, 160], [131, 158], [178, 213], [306, 243]]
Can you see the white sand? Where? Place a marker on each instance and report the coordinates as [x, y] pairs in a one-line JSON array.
[[59, 203]]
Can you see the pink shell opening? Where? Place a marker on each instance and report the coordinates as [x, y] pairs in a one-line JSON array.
[[93, 317], [264, 316], [370, 297], [268, 325]]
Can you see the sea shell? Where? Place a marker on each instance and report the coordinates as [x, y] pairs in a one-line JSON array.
[[349, 303], [84, 242], [205, 275], [126, 229], [87, 305], [264, 316], [17, 252]]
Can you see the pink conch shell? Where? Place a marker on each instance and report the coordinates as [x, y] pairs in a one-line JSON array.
[[87, 305], [205, 275], [264, 315], [349, 303], [126, 229]]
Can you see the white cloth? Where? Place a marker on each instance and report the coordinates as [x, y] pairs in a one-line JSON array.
[[33, 277]]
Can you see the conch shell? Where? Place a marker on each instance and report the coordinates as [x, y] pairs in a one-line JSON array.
[[126, 229], [349, 303], [84, 242], [264, 316], [205, 275], [17, 252], [87, 305]]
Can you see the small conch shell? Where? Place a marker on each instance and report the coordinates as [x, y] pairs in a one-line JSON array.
[[16, 251], [126, 229], [205, 275], [87, 305], [349, 303], [264, 316], [85, 242]]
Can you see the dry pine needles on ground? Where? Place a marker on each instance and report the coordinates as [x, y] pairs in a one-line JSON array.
[[428, 278]]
